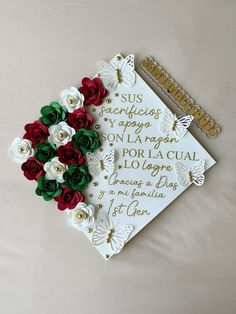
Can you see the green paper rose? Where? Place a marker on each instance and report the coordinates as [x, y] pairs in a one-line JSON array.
[[53, 114], [77, 177], [45, 151], [48, 189], [86, 141]]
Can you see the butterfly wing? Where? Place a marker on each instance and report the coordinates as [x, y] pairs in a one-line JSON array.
[[198, 172], [129, 60], [127, 70], [182, 174], [167, 121], [181, 125], [107, 72], [100, 233], [108, 161], [120, 236], [94, 164]]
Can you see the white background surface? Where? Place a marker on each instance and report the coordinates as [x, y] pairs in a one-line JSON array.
[[184, 261]]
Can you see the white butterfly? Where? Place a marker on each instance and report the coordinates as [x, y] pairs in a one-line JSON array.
[[114, 73], [186, 175], [98, 163], [113, 234], [171, 124]]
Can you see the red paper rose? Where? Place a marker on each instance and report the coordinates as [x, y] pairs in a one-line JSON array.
[[68, 198], [93, 91], [36, 132], [33, 168], [69, 155], [80, 119]]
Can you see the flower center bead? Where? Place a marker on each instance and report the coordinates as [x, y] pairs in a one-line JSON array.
[[61, 135], [81, 215], [58, 168], [22, 149], [72, 101]]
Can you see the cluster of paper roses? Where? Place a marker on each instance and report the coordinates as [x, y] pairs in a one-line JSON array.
[[53, 149]]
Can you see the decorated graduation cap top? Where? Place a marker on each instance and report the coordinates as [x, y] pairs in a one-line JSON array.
[[110, 154]]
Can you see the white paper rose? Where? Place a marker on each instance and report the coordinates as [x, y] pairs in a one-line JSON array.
[[60, 134], [82, 216], [54, 170], [71, 98], [21, 149]]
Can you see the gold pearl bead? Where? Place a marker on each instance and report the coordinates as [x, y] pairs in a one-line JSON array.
[[99, 206], [21, 149], [111, 144], [93, 109], [108, 100], [107, 256], [81, 215], [61, 135], [90, 230], [100, 149], [72, 101], [118, 58], [105, 119], [58, 168], [90, 195], [97, 126], [116, 94], [119, 167], [105, 177], [95, 183]]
